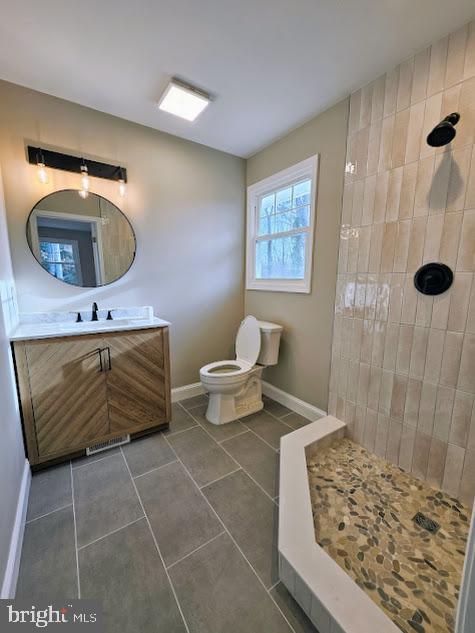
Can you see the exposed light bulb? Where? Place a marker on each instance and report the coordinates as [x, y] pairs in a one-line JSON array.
[[42, 174], [122, 187], [84, 191]]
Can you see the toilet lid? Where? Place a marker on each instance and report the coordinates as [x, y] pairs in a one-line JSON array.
[[248, 340]]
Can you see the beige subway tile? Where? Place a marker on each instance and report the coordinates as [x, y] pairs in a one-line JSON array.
[[382, 303], [362, 153], [360, 295], [354, 117], [400, 133], [470, 327], [440, 183], [418, 353], [466, 125], [349, 294], [332, 403], [470, 193], [433, 238], [343, 256], [363, 384], [440, 311], [376, 245], [342, 377], [469, 67], [416, 244], [396, 297], [394, 441], [420, 458], [450, 239], [366, 103], [386, 391], [413, 400], [421, 75], [379, 337], [350, 413], [398, 398], [466, 379], [388, 247], [352, 387], [352, 261], [466, 255], [451, 356], [414, 132], [367, 341], [406, 449], [368, 200], [435, 347], [459, 301], [373, 147], [436, 462], [390, 349], [340, 408], [459, 173], [424, 310], [381, 435], [402, 246], [406, 71], [471, 432], [363, 248], [453, 469], [351, 149], [371, 297], [371, 425], [432, 116], [381, 197], [443, 412], [438, 62], [347, 206], [425, 423], [374, 388], [403, 358], [467, 483], [386, 143], [394, 194], [450, 103], [408, 191], [456, 56], [390, 91], [377, 104], [357, 209], [461, 418], [355, 329], [425, 174], [409, 306]]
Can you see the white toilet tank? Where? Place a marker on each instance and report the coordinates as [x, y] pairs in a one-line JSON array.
[[270, 341]]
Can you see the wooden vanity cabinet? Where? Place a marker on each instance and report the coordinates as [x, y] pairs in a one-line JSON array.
[[78, 391]]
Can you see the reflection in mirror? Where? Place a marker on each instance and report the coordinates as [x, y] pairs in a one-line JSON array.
[[85, 242]]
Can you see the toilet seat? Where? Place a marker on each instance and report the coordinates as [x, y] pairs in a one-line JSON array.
[[222, 370]]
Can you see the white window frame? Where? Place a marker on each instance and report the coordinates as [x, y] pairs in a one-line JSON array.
[[305, 169]]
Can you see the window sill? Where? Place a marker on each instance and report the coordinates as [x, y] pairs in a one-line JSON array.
[[280, 286]]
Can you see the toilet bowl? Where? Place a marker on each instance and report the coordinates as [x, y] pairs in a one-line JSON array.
[[234, 386]]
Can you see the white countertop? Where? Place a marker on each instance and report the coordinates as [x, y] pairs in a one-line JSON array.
[[41, 327]]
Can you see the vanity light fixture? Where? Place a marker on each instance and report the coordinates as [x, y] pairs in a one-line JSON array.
[[183, 100], [40, 163], [84, 191], [122, 185]]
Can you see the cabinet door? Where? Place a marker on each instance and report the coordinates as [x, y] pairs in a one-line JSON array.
[[137, 379], [68, 393]]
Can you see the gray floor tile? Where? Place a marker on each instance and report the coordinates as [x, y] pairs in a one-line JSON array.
[[251, 518], [294, 614], [274, 407], [218, 592], [125, 572], [258, 459], [146, 453], [205, 459], [181, 419], [104, 498], [86, 460], [48, 559], [50, 490], [179, 515], [295, 420], [220, 432], [267, 427], [196, 401]]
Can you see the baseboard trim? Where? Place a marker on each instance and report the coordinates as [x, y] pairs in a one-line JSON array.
[[308, 411], [13, 564], [187, 391]]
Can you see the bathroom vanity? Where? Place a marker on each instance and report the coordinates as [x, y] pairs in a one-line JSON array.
[[83, 384]]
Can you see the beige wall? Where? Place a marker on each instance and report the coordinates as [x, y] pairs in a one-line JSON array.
[[304, 363], [403, 372], [185, 202]]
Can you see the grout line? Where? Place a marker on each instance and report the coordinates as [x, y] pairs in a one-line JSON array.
[[261, 438], [75, 530], [155, 540], [232, 539], [152, 470], [122, 527], [246, 430], [67, 505], [196, 549], [94, 461], [273, 586], [222, 477], [173, 433]]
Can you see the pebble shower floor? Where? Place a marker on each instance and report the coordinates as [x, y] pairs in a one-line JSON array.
[[364, 509]]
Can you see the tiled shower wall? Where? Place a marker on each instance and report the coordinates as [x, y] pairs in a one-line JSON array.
[[403, 364]]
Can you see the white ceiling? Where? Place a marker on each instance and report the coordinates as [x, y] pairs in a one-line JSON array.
[[271, 64]]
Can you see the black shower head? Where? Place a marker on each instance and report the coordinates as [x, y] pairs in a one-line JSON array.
[[444, 132]]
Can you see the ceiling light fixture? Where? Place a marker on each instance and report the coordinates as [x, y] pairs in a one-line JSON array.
[[122, 185], [84, 191], [183, 100]]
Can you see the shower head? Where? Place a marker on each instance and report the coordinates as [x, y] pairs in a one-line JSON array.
[[444, 132]]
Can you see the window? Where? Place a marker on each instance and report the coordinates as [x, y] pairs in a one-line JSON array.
[[281, 214], [61, 259]]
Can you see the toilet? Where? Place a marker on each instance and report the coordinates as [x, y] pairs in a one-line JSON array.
[[234, 386]]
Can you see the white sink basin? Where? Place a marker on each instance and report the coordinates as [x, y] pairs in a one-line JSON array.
[[99, 325]]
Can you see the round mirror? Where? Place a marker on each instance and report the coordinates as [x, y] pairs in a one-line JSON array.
[[84, 242]]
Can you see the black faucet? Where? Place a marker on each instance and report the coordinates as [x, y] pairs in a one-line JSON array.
[[94, 312]]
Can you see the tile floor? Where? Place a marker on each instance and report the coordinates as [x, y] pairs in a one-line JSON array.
[[174, 532]]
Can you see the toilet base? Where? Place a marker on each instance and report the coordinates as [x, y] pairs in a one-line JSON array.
[[225, 408]]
